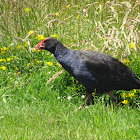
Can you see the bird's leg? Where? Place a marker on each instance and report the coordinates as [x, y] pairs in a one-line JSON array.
[[89, 99], [113, 98]]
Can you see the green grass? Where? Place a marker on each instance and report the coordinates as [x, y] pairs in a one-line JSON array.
[[57, 120], [32, 109]]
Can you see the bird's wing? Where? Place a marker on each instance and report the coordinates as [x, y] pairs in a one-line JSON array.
[[110, 73], [100, 65]]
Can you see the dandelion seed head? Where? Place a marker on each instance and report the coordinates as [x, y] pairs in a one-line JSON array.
[[69, 97], [83, 96]]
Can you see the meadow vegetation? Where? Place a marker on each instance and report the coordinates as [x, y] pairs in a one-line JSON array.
[[34, 104]]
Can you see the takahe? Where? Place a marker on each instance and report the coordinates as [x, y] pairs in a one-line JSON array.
[[94, 70]]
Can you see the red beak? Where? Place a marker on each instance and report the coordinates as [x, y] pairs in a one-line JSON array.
[[40, 46]]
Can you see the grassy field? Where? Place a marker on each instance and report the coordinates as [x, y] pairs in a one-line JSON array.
[[34, 106]]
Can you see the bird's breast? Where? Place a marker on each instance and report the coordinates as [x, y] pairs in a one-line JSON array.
[[78, 70]]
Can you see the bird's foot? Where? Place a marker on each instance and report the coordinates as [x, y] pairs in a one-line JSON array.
[[79, 108]]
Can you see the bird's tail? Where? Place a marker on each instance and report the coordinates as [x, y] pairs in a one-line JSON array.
[[138, 84]]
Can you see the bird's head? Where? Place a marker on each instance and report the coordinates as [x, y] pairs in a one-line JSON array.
[[49, 44]]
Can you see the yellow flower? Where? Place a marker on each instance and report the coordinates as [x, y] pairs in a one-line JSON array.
[[40, 37], [71, 40], [55, 36], [124, 95], [17, 73], [16, 68], [26, 44], [19, 47], [33, 50], [27, 9], [39, 61], [77, 17], [38, 50], [9, 59], [126, 61], [12, 48], [68, 7], [2, 60], [29, 64], [132, 45], [131, 95], [93, 93], [57, 14], [135, 90], [3, 68], [3, 50], [58, 64], [49, 63], [31, 32], [125, 102]]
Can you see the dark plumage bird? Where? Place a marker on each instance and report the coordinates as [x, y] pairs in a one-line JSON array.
[[94, 70]]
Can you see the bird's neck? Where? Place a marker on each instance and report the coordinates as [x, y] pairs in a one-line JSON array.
[[60, 50]]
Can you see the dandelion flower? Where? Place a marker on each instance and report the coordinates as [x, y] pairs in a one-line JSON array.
[[69, 97], [49, 63], [9, 59], [132, 45], [135, 90], [93, 93], [16, 68], [30, 32], [40, 37], [126, 61], [55, 36], [3, 50], [68, 7], [27, 9], [125, 102], [39, 61], [2, 60], [58, 64], [3, 68], [29, 64], [57, 14], [124, 95], [131, 95], [26, 44], [38, 50], [17, 73], [12, 48], [33, 50], [77, 17], [19, 47]]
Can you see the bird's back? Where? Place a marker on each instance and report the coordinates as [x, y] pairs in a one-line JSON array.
[[110, 73]]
